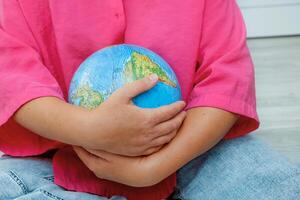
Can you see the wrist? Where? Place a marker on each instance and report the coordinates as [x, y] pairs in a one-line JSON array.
[[89, 129], [80, 126], [70, 124], [154, 170], [163, 167]]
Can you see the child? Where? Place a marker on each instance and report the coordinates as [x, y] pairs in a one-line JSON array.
[[43, 42]]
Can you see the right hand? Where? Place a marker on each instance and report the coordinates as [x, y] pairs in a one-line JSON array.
[[120, 127]]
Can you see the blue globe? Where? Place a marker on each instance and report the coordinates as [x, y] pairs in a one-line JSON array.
[[110, 68]]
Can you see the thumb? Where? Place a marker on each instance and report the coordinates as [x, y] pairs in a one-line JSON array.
[[132, 89]]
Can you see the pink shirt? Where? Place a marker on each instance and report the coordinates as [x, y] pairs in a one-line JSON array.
[[43, 42]]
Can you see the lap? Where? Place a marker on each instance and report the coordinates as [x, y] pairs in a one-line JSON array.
[[235, 169], [241, 168], [32, 179]]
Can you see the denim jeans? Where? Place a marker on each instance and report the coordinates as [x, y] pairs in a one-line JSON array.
[[239, 169]]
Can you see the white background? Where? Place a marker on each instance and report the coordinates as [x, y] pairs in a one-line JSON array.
[[271, 17]]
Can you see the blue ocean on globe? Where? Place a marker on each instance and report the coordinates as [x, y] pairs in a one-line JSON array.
[[110, 68]]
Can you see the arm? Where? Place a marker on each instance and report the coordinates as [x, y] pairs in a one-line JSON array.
[[115, 126], [202, 128], [223, 85], [54, 119]]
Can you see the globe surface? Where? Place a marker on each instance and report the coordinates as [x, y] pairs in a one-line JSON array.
[[110, 68]]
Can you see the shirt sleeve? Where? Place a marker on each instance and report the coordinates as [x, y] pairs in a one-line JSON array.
[[24, 77], [224, 77]]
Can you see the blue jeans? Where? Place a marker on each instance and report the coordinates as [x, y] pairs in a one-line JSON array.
[[239, 169]]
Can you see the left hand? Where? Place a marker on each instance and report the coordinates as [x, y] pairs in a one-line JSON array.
[[133, 171]]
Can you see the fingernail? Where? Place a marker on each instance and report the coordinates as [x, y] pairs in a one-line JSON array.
[[153, 77], [183, 102]]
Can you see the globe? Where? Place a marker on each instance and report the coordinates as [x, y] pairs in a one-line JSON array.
[[110, 68]]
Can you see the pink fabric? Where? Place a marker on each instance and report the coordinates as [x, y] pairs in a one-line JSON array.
[[43, 42]]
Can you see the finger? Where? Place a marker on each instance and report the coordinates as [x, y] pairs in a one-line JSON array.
[[99, 154], [107, 156], [167, 112], [151, 150], [88, 159], [163, 140], [167, 127], [132, 89]]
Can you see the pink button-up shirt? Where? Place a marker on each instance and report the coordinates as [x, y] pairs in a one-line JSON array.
[[43, 42]]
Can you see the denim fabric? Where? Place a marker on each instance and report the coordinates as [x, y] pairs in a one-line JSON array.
[[32, 179], [242, 169], [239, 169]]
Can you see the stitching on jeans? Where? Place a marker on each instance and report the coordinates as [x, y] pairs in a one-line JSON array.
[[18, 181], [49, 178], [48, 194]]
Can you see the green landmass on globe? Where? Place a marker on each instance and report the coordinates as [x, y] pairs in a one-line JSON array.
[[140, 66], [89, 98]]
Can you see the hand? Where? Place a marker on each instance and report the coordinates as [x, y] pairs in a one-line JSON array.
[[129, 130], [132, 171]]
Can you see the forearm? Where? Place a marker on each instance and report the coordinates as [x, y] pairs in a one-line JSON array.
[[203, 128], [52, 118]]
